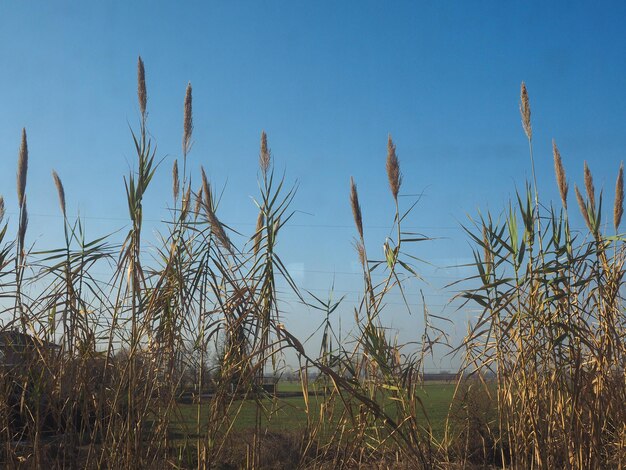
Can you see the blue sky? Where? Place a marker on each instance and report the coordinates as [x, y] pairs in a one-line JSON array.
[[327, 81]]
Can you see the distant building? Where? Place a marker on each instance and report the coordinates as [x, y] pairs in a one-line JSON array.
[[15, 347]]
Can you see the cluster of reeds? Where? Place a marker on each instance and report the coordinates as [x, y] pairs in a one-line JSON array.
[[371, 412], [552, 328], [95, 367], [98, 364]]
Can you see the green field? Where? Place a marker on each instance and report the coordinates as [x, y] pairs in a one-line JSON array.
[[289, 413]]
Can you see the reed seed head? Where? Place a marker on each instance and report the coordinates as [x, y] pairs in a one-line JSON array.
[[206, 191], [218, 229], [216, 226], [23, 225], [360, 249], [583, 208], [187, 121], [198, 202], [591, 192], [1, 208], [142, 95], [618, 207], [559, 170], [22, 170], [393, 168], [258, 234], [175, 180], [265, 157], [487, 248], [356, 208], [524, 108], [60, 191]]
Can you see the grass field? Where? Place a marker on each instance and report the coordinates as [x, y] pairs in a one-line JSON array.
[[289, 413]]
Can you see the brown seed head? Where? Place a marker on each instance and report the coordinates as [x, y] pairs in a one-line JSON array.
[[393, 169], [487, 248], [175, 180], [217, 228], [22, 170], [356, 208], [23, 226], [524, 109], [618, 207], [206, 190], [258, 234], [561, 180], [264, 155], [1, 208], [142, 95], [360, 249], [583, 208], [60, 191], [591, 193], [187, 121], [198, 202]]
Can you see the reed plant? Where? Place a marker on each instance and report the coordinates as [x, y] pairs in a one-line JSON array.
[[97, 369], [552, 326]]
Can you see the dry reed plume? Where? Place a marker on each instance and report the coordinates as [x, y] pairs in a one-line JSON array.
[[22, 169], [60, 191], [187, 121], [559, 171], [524, 108], [356, 208], [142, 95], [175, 180], [591, 192], [264, 154], [618, 206], [393, 169]]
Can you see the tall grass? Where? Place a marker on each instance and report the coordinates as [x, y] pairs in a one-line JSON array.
[[96, 368], [552, 326]]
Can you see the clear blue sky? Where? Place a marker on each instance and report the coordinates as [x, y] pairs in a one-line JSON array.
[[327, 81]]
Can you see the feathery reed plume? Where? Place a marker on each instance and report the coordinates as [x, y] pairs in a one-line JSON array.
[[187, 121], [142, 95], [360, 249], [60, 191], [217, 228], [198, 202], [258, 234], [206, 190], [393, 168], [22, 169], [264, 154], [561, 180], [23, 226], [175, 180], [1, 208], [591, 192], [524, 109], [618, 207], [487, 249], [583, 207], [356, 208]]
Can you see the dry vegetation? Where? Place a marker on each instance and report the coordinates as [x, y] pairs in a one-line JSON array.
[[95, 370]]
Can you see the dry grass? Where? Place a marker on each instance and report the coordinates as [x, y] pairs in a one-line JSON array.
[[99, 365]]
